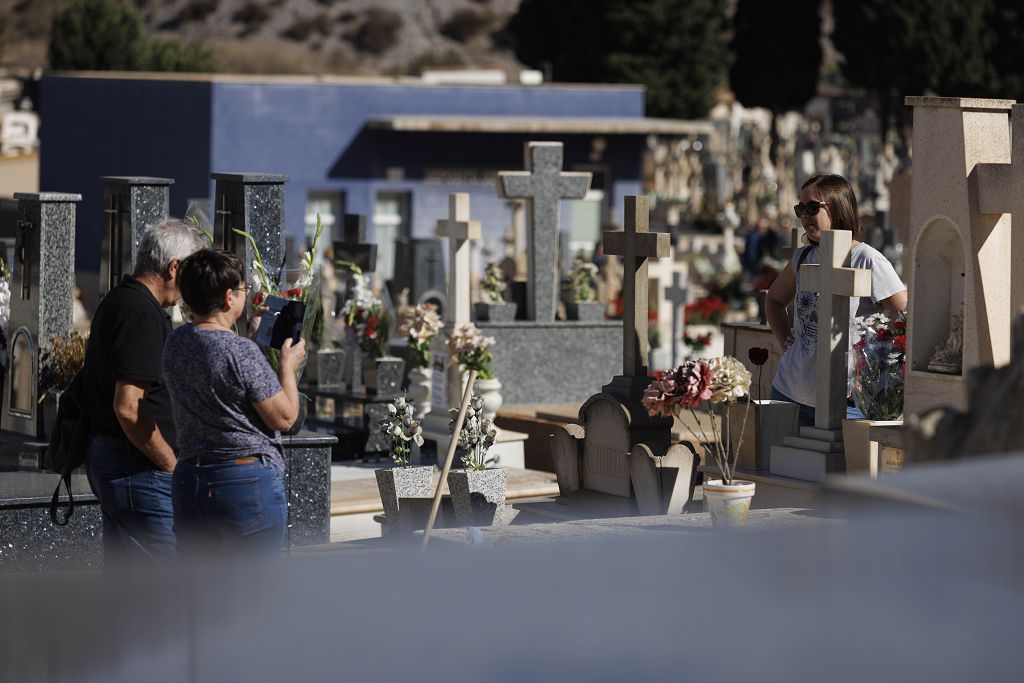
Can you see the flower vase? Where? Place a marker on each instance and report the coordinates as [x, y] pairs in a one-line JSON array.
[[878, 380], [330, 367], [478, 496], [396, 483], [419, 391], [490, 390], [389, 371], [768, 423], [503, 312], [585, 311], [728, 503]]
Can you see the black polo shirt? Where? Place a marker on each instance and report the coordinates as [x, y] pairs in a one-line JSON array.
[[127, 343]]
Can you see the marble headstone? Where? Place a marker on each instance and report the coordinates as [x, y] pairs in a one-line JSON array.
[[130, 205], [253, 202]]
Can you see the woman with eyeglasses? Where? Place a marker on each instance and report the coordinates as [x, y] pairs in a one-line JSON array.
[[229, 407], [827, 202]]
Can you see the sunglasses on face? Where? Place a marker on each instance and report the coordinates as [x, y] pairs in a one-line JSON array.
[[808, 209]]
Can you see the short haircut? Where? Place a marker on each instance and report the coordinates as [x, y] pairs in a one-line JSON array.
[[165, 242], [205, 276], [837, 193]]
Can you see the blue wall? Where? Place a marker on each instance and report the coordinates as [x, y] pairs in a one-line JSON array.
[[314, 132]]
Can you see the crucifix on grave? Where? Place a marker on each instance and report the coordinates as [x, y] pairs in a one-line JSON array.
[[635, 244], [543, 185], [354, 249], [834, 283], [677, 295]]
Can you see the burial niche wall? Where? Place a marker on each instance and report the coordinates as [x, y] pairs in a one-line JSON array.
[[939, 276]]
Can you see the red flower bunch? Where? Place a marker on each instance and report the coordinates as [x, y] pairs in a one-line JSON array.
[[698, 343], [684, 387], [294, 294], [879, 366], [708, 310]]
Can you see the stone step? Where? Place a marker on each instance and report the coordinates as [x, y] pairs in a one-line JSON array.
[[821, 434], [813, 444], [806, 465]]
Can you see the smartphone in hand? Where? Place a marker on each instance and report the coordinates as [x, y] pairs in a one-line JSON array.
[[282, 320]]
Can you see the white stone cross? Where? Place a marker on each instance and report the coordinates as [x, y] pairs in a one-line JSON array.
[[834, 283], [544, 186], [677, 294], [460, 231], [635, 244]]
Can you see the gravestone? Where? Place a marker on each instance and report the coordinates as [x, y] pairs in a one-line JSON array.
[[960, 252], [354, 250], [543, 185], [678, 296], [419, 267], [621, 452], [819, 449], [42, 298], [253, 202], [131, 204]]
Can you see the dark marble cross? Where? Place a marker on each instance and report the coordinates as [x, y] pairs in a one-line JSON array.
[[354, 248], [635, 244], [677, 294], [544, 186]]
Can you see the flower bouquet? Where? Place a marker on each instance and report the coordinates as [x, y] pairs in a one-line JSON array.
[[879, 366], [367, 320], [709, 310], [492, 286], [419, 329], [476, 436], [471, 349], [477, 490], [698, 342], [401, 430], [402, 482], [305, 287], [582, 278]]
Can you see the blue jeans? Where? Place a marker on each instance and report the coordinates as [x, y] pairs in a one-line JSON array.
[[135, 501], [806, 418], [236, 506]]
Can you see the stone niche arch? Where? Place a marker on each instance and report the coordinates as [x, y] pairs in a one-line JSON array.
[[22, 380], [937, 288]]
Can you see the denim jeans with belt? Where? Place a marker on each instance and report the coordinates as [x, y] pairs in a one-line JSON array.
[[237, 506], [135, 501], [806, 418]]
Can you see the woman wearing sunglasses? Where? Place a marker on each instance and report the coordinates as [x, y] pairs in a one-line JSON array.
[[827, 202]]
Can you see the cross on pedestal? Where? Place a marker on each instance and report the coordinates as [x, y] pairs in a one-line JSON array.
[[354, 248], [461, 232], [677, 294], [834, 284], [635, 244], [544, 186]]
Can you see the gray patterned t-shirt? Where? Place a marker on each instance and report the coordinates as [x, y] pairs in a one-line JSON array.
[[215, 377]]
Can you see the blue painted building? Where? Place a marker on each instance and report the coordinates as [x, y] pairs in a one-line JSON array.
[[389, 148]]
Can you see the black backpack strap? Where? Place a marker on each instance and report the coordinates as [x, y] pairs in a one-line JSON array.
[[803, 256], [69, 509]]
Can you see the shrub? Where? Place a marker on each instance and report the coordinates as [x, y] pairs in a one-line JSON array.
[[197, 10], [379, 31], [171, 54], [98, 35], [465, 24]]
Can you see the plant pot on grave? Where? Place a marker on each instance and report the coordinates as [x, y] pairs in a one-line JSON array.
[[418, 392], [490, 391], [585, 311], [330, 367], [389, 372], [395, 483], [728, 503], [768, 423], [478, 496], [503, 312]]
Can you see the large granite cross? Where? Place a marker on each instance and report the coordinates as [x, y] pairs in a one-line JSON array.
[[544, 186], [354, 248], [677, 295], [834, 284], [635, 244], [460, 231]]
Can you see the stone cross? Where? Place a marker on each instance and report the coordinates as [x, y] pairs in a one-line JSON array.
[[834, 283], [677, 294], [635, 244], [253, 202], [131, 204], [354, 247], [544, 186], [461, 232], [42, 300]]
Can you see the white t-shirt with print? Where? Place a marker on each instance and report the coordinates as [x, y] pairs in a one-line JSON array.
[[796, 373]]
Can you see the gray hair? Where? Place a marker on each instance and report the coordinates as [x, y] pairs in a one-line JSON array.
[[165, 242]]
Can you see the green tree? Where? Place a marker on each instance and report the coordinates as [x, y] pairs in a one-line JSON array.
[[676, 48], [98, 35], [914, 48], [171, 54]]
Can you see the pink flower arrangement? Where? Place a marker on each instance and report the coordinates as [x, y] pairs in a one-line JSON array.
[[686, 387]]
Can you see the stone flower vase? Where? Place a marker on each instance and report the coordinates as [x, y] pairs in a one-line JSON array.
[[490, 390], [389, 371], [728, 503], [396, 483], [419, 390], [585, 311], [768, 424], [503, 312], [330, 367], [478, 496]]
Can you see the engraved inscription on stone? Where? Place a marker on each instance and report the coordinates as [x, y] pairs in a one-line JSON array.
[[605, 470]]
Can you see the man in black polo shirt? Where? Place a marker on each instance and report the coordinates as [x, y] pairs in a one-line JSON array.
[[131, 452]]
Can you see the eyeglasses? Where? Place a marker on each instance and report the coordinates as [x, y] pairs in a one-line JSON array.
[[243, 288], [808, 209]]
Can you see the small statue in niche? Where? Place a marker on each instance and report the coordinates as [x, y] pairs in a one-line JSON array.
[[948, 356]]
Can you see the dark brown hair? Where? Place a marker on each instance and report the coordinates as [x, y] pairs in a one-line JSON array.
[[837, 193], [205, 276]]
